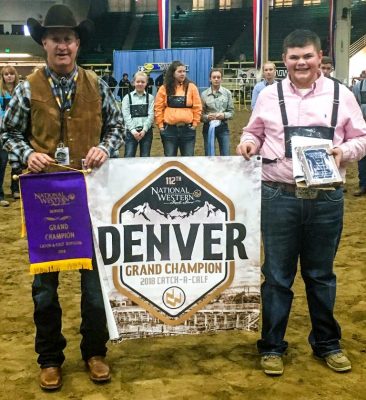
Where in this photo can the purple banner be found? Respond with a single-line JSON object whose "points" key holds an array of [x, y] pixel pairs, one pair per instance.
{"points": [[57, 221]]}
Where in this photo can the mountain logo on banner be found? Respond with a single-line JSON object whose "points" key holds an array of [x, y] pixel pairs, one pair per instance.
{"points": [[180, 239]]}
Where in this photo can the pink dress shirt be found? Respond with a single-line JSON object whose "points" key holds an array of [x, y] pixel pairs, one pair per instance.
{"points": [[265, 127]]}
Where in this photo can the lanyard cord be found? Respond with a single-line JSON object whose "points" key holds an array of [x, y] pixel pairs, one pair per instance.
{"points": [[62, 103]]}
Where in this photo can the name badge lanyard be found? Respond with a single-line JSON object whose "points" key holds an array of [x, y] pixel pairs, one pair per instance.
{"points": [[62, 103]]}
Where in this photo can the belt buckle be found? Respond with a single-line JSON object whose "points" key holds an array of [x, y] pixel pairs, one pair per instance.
{"points": [[180, 125], [306, 193]]}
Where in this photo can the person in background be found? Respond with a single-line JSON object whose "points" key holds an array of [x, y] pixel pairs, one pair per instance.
{"points": [[178, 110], [35, 130], [109, 79], [301, 224], [9, 80], [326, 66], [269, 75], [138, 115], [3, 164], [150, 84], [359, 90], [178, 11], [124, 86], [217, 108], [159, 81]]}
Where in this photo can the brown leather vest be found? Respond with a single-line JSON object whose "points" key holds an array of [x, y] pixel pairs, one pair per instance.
{"points": [[82, 123]]}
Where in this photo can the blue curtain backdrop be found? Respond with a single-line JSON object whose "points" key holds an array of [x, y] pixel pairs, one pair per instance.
{"points": [[199, 60]]}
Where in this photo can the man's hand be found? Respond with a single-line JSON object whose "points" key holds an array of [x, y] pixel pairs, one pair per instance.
{"points": [[95, 157], [37, 162], [246, 149], [337, 154]]}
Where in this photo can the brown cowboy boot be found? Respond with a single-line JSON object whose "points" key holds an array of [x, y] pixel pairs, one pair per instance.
{"points": [[50, 378], [99, 370]]}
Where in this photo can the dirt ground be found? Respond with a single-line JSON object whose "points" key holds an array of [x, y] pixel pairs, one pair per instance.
{"points": [[222, 366]]}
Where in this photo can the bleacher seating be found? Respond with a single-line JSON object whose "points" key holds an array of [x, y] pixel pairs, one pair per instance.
{"points": [[148, 35], [215, 28], [284, 20], [358, 12], [219, 29], [111, 30]]}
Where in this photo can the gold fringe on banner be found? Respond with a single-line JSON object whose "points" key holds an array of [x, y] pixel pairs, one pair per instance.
{"points": [[61, 265]]}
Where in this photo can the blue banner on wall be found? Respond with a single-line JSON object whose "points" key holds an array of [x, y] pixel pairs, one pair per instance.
{"points": [[199, 62]]}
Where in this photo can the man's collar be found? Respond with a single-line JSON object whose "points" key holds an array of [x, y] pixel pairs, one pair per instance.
{"points": [[56, 78], [319, 80]]}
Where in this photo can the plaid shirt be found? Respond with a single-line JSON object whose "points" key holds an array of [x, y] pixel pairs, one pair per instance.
{"points": [[17, 119], [65, 93]]}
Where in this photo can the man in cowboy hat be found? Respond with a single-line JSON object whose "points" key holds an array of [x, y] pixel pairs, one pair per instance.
{"points": [[65, 113]]}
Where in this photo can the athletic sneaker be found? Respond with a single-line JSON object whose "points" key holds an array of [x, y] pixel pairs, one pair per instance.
{"points": [[338, 362], [272, 364], [4, 203]]}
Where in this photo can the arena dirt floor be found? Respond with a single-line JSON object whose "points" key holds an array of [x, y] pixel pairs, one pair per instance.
{"points": [[222, 366]]}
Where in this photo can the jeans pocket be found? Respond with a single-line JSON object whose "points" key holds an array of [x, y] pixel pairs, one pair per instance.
{"points": [[269, 192], [163, 132], [333, 196]]}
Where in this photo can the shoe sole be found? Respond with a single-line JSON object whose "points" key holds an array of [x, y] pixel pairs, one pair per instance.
{"points": [[339, 369], [272, 373], [50, 388], [332, 367], [100, 380]]}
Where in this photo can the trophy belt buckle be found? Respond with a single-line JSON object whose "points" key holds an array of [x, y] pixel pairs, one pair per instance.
{"points": [[306, 193]]}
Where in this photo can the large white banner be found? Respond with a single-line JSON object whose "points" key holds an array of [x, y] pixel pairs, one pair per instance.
{"points": [[177, 243]]}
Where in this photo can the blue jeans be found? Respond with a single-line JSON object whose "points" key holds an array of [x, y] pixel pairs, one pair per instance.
{"points": [[294, 228], [131, 144], [3, 162], [362, 172], [182, 138], [50, 342], [222, 135]]}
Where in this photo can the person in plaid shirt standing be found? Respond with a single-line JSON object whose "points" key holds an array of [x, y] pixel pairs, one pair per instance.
{"points": [[66, 114]]}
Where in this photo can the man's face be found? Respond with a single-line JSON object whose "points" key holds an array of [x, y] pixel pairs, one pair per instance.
{"points": [[61, 46], [302, 64], [269, 72], [326, 69]]}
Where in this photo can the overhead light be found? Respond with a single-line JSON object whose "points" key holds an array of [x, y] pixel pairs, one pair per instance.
{"points": [[14, 55]]}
